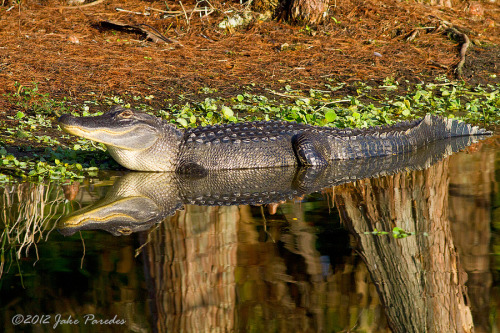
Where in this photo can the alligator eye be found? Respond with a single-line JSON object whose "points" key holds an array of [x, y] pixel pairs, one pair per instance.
{"points": [[126, 114]]}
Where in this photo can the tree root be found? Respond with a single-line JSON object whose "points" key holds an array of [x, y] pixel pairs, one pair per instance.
{"points": [[463, 48]]}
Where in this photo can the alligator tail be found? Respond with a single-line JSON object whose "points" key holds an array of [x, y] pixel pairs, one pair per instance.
{"points": [[399, 140], [433, 128]]}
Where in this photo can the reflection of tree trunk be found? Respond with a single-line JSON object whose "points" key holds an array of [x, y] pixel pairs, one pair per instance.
{"points": [[223, 269], [279, 276], [192, 261], [419, 278], [471, 187]]}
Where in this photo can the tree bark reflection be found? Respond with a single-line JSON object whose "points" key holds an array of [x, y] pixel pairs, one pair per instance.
{"points": [[419, 278], [472, 179]]}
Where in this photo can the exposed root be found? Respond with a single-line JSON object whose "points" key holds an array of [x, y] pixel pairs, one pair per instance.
{"points": [[463, 48], [463, 51]]}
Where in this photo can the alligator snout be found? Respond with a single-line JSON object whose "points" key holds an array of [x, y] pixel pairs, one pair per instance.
{"points": [[67, 119]]}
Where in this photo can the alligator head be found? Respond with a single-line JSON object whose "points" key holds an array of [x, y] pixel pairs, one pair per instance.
{"points": [[136, 140], [134, 203]]}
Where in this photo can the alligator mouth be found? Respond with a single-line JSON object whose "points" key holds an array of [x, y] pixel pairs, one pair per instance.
{"points": [[131, 136], [93, 134]]}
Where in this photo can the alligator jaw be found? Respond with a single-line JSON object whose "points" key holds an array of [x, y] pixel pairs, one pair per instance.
{"points": [[113, 130]]}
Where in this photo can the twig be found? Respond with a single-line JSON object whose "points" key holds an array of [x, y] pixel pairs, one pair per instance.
{"points": [[82, 6], [185, 15], [160, 35], [175, 13], [285, 95], [412, 35], [333, 102], [118, 9], [192, 12]]}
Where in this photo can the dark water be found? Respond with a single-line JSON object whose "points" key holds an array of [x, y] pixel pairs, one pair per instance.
{"points": [[413, 251]]}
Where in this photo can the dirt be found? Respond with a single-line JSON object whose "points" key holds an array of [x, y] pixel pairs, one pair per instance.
{"points": [[74, 52]]}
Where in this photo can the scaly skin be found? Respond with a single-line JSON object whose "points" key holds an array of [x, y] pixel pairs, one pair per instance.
{"points": [[139, 141]]}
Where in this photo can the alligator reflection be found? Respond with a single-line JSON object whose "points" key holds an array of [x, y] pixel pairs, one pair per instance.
{"points": [[139, 200]]}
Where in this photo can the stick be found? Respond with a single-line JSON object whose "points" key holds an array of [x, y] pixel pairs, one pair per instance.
{"points": [[412, 35], [178, 12], [86, 5], [118, 9], [186, 16]]}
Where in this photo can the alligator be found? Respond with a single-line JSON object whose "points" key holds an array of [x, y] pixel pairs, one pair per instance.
{"points": [[139, 200], [142, 142]]}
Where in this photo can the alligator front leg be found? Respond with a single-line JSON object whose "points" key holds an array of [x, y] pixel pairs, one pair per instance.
{"points": [[191, 168], [309, 149]]}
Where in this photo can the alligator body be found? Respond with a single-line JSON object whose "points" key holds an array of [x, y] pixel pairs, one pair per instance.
{"points": [[138, 200], [142, 142]]}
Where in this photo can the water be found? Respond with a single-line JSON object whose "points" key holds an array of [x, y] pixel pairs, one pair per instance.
{"points": [[413, 251]]}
